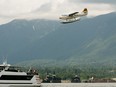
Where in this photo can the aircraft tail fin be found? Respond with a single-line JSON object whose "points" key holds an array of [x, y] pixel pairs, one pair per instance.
{"points": [[85, 10]]}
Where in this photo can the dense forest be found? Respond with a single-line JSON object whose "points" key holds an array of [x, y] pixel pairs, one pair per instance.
{"points": [[85, 72]]}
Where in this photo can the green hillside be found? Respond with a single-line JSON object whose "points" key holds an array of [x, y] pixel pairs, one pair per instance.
{"points": [[91, 41]]}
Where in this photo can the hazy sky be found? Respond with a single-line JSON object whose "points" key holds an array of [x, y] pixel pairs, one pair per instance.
{"points": [[51, 9]]}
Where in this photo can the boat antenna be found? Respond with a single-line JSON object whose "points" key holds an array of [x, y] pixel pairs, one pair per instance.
{"points": [[4, 60]]}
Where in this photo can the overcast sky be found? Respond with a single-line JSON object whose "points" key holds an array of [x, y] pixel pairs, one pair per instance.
{"points": [[51, 9]]}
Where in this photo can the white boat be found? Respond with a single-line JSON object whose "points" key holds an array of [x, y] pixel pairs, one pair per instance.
{"points": [[12, 76]]}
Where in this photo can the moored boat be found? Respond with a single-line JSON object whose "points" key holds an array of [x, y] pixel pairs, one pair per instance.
{"points": [[12, 76]]}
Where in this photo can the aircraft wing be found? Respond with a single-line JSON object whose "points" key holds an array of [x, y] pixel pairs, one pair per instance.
{"points": [[72, 14]]}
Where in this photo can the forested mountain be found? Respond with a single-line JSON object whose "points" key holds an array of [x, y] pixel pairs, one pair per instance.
{"points": [[91, 41]]}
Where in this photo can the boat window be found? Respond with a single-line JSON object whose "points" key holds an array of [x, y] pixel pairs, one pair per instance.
{"points": [[16, 77], [14, 69]]}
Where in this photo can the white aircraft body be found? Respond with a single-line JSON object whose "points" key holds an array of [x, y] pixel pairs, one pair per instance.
{"points": [[76, 16]]}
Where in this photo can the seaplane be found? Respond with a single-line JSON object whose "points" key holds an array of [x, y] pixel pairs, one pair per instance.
{"points": [[73, 17]]}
